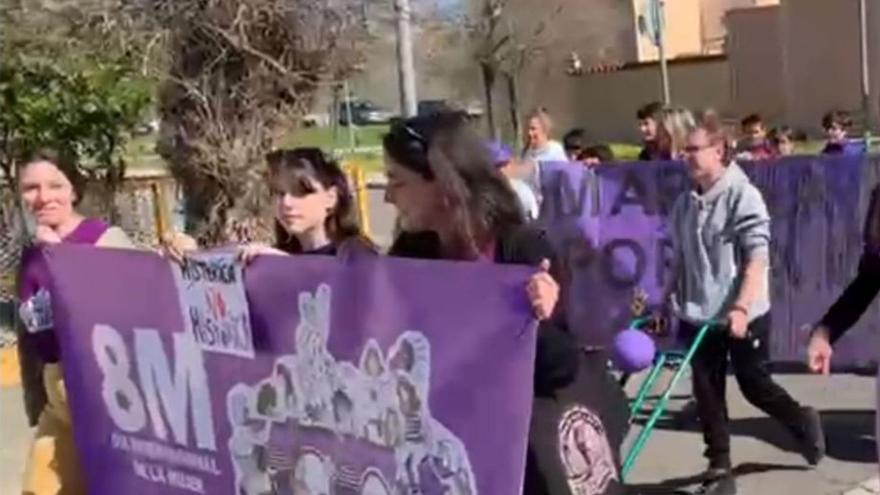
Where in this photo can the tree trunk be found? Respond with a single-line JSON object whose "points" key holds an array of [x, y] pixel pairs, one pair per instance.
{"points": [[334, 114], [488, 73], [513, 108]]}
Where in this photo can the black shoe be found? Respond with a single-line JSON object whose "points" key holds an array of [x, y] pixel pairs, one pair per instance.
{"points": [[720, 486], [812, 437]]}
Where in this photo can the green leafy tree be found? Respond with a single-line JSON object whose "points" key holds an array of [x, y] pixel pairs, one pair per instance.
{"points": [[85, 111]]}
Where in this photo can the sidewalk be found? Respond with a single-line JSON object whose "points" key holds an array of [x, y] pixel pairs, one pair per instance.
{"points": [[870, 487], [764, 457]]}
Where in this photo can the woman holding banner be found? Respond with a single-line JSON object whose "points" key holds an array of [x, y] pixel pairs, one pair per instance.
{"points": [[50, 187], [454, 205], [314, 209]]}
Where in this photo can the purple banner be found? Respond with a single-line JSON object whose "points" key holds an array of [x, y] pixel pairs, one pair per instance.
{"points": [[373, 376], [609, 227]]}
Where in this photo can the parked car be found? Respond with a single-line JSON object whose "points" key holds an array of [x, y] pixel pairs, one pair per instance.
{"points": [[430, 107], [363, 112]]}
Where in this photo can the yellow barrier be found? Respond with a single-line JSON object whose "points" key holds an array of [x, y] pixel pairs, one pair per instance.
{"points": [[10, 373], [357, 178], [160, 212]]}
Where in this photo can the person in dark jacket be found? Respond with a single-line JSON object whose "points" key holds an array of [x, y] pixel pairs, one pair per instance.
{"points": [[454, 205], [853, 302], [837, 125], [649, 119]]}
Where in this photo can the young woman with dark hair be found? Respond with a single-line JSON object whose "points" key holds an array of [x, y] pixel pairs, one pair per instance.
{"points": [[314, 209], [454, 205]]}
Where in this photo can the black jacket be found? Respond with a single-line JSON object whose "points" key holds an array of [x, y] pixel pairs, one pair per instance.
{"points": [[557, 354], [857, 297], [568, 383]]}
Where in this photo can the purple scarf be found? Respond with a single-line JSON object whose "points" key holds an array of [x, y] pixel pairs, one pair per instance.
{"points": [[34, 282]]}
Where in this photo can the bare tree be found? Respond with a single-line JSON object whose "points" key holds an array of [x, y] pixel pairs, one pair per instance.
{"points": [[239, 71], [503, 48]]}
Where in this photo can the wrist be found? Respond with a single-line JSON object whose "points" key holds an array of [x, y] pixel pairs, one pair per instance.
{"points": [[740, 308], [821, 332]]}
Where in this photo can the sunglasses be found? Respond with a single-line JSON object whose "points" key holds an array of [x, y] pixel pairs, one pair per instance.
{"points": [[415, 136]]}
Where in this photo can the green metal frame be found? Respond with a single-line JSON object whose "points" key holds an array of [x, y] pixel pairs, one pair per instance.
{"points": [[662, 359]]}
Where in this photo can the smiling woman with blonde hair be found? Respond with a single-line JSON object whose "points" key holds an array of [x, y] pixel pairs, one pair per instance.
{"points": [[674, 126], [50, 187]]}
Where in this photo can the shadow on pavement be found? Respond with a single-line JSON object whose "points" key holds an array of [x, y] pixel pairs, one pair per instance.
{"points": [[685, 485], [849, 433]]}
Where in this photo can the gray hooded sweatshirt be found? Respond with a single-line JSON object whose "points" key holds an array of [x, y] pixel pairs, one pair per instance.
{"points": [[714, 235]]}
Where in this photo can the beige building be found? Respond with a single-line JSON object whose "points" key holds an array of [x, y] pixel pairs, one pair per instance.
{"points": [[795, 61], [713, 27], [693, 27], [612, 36], [791, 61]]}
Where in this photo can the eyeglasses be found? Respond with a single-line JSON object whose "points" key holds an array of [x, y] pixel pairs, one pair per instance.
{"points": [[691, 149]]}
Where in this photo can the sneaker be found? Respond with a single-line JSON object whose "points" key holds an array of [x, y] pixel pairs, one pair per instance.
{"points": [[812, 437], [720, 486], [718, 468]]}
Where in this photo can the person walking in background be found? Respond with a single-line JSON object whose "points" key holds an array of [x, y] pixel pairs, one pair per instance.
{"points": [[574, 142], [675, 125], [539, 146], [782, 141], [720, 231], [753, 144], [837, 125], [596, 154], [502, 158], [50, 187], [711, 120], [648, 118]]}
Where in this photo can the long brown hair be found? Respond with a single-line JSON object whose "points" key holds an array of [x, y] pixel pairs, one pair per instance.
{"points": [[445, 149], [295, 171]]}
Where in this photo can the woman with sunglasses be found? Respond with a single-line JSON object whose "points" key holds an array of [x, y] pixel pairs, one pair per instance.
{"points": [[454, 205]]}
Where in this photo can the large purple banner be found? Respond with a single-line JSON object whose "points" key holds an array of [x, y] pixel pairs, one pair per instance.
{"points": [[370, 376], [609, 226]]}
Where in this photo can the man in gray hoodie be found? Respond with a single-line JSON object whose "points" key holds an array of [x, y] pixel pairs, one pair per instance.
{"points": [[720, 231]]}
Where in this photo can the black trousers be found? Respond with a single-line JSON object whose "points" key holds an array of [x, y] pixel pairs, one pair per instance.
{"points": [[749, 358]]}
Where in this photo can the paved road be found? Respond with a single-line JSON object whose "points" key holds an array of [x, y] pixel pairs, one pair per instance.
{"points": [[764, 457], [14, 438]]}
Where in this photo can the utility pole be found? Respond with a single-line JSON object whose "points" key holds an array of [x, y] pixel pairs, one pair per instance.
{"points": [[406, 73], [661, 49], [865, 68]]}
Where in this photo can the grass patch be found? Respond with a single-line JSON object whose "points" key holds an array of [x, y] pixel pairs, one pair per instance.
{"points": [[325, 137], [625, 152], [141, 151]]}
